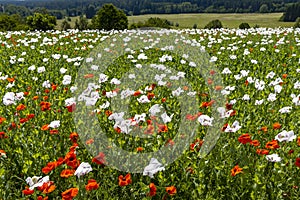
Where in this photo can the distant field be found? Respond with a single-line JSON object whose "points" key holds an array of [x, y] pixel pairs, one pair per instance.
{"points": [[228, 20]]}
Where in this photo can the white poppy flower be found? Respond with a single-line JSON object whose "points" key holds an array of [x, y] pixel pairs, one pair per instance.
{"points": [[273, 158], [153, 167], [143, 99], [54, 124], [285, 136], [205, 120], [83, 169]]}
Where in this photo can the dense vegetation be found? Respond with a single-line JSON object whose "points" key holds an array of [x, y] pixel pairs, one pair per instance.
{"points": [[136, 7]]}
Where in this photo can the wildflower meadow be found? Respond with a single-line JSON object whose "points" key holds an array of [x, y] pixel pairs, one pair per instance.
{"points": [[150, 114]]}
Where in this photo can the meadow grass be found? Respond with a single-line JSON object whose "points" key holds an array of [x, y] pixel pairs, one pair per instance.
{"points": [[228, 20], [231, 20]]}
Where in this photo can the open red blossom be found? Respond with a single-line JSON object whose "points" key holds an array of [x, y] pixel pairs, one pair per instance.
{"points": [[74, 136], [30, 116], [66, 173], [125, 180], [2, 135], [245, 138], [272, 145], [276, 125], [45, 106], [20, 107], [162, 128], [255, 143], [262, 151], [71, 108], [49, 167], [71, 160], [28, 191], [42, 198], [152, 188], [2, 119], [171, 190], [92, 185], [236, 170], [297, 163], [99, 159], [69, 194]]}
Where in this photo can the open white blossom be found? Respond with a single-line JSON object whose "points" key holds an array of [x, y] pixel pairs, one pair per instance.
{"points": [[205, 120], [273, 158], [54, 124], [285, 136], [153, 167], [83, 169]]}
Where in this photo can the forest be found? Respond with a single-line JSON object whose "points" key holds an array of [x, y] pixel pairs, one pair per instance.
{"points": [[137, 7]]}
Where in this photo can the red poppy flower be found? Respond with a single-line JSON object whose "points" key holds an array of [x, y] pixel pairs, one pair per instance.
{"points": [[124, 180], [66, 173], [162, 128], [276, 125], [255, 143], [2, 119], [49, 167], [99, 159], [272, 145], [152, 188], [28, 191], [262, 151], [92, 185], [236, 170], [74, 136], [69, 194], [20, 107], [245, 138], [171, 190], [297, 163]]}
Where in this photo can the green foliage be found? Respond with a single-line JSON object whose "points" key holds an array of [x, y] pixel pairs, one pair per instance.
{"points": [[264, 8], [82, 23], [65, 25], [109, 17], [214, 24], [19, 10], [153, 22], [194, 26], [297, 24], [40, 21], [244, 26], [12, 23], [90, 11], [292, 13]]}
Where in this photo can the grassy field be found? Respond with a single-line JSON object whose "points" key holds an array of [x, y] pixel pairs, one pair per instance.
{"points": [[228, 20]]}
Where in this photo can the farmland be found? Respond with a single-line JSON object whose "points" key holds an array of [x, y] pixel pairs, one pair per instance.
{"points": [[170, 114]]}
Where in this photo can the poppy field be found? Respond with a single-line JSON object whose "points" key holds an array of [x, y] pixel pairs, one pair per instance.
{"points": [[209, 114]]}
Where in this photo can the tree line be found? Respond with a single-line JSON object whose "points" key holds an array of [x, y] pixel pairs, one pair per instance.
{"points": [[137, 7]]}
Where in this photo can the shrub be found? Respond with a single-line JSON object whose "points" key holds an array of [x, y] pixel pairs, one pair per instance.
{"points": [[214, 24], [244, 26]]}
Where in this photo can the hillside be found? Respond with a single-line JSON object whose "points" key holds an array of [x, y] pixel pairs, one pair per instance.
{"points": [[136, 7]]}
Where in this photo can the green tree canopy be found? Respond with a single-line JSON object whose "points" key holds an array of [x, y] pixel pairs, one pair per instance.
{"points": [[109, 17], [82, 23], [40, 21], [214, 24]]}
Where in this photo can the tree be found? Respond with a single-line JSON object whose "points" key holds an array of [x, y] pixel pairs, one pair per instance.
{"points": [[292, 13], [65, 25], [12, 23], [214, 24], [82, 23], [90, 11], [297, 24], [40, 21], [109, 17], [244, 26], [264, 8]]}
